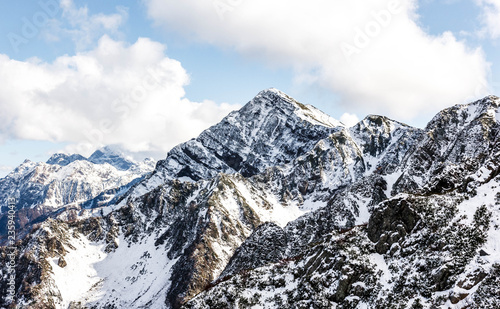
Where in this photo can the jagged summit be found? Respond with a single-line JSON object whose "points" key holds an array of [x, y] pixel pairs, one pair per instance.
{"points": [[19, 171], [277, 100], [63, 159], [463, 114], [488, 102], [111, 156], [271, 129], [377, 122], [492, 98], [456, 141], [271, 90], [273, 93]]}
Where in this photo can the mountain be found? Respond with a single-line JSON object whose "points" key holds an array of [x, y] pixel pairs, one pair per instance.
{"points": [[65, 182], [64, 159], [112, 157], [431, 243], [272, 129], [280, 206]]}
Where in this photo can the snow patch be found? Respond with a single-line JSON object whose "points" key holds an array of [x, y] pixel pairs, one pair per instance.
{"points": [[313, 115], [79, 276]]}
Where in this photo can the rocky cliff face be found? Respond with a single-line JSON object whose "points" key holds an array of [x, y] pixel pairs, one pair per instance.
{"points": [[281, 206], [458, 143]]}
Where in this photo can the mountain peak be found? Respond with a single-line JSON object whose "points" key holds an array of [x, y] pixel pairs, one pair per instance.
{"points": [[462, 115], [111, 156], [377, 122], [273, 93], [487, 102], [275, 100], [63, 159], [271, 129], [493, 98], [275, 96], [272, 90]]}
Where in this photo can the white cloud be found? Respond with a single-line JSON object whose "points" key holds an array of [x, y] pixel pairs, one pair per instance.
{"points": [[373, 54], [490, 17], [349, 119], [114, 94], [83, 28]]}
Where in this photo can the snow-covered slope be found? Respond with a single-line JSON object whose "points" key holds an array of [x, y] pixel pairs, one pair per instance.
{"points": [[416, 252], [182, 235], [67, 179]]}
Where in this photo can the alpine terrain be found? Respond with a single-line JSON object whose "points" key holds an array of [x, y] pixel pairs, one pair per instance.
{"points": [[277, 206]]}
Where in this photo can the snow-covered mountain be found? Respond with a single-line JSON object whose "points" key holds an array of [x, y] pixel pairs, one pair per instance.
{"points": [[281, 206], [68, 181], [113, 158], [432, 239], [272, 129], [64, 159]]}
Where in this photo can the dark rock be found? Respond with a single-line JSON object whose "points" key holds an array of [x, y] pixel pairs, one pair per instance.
{"points": [[440, 278], [456, 297], [395, 212], [267, 244], [61, 262], [472, 279], [483, 253]]}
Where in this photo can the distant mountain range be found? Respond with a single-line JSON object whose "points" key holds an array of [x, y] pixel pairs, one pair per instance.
{"points": [[276, 206], [67, 182]]}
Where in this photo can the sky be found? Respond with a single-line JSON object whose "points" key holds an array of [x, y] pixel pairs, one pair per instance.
{"points": [[147, 75]]}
